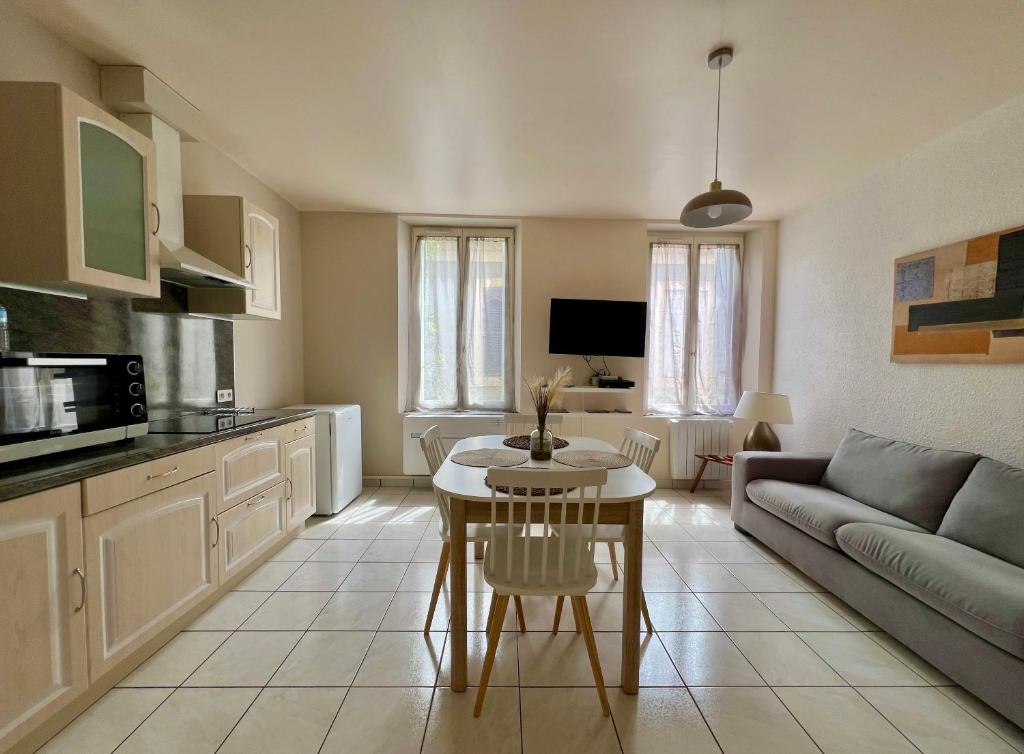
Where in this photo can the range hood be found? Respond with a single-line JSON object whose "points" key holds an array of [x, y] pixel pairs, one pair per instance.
{"points": [[183, 266]]}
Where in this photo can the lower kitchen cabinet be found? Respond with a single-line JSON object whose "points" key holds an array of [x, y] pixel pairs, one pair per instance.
{"points": [[148, 561], [249, 464], [299, 467], [43, 662], [250, 528]]}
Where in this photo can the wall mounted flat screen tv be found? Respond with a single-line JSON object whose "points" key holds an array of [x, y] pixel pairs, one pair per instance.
{"points": [[587, 327]]}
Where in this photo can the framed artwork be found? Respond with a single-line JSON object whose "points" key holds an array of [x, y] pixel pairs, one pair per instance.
{"points": [[961, 304]]}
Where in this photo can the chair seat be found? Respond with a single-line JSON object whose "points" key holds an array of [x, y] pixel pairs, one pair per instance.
{"points": [[502, 582]]}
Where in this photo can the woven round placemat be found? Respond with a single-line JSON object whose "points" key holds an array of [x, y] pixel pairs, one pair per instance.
{"points": [[489, 457], [593, 458], [523, 442]]}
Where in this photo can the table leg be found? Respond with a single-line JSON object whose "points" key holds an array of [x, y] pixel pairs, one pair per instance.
{"points": [[632, 590], [458, 596], [700, 473]]}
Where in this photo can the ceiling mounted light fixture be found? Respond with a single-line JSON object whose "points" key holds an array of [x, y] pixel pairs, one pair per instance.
{"points": [[717, 206]]}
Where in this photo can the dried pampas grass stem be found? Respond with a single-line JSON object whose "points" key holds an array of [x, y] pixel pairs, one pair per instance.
{"points": [[544, 392]]}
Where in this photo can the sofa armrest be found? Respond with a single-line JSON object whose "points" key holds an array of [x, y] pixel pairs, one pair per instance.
{"points": [[802, 468]]}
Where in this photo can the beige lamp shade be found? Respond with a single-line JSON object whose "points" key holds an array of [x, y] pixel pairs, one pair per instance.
{"points": [[764, 407]]}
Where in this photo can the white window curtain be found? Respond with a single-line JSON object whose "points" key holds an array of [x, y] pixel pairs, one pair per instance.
{"points": [[695, 328], [461, 324], [668, 304]]}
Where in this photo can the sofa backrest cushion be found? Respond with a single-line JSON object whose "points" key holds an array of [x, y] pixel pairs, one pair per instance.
{"points": [[910, 481], [988, 512]]}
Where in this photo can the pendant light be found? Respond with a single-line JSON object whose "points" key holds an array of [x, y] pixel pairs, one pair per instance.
{"points": [[717, 206]]}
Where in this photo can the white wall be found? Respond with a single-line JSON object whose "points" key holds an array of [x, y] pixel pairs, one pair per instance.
{"points": [[834, 298]]}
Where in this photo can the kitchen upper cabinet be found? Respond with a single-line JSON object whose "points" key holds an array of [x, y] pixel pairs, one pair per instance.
{"points": [[43, 661], [149, 561], [79, 186], [238, 235], [300, 469]]}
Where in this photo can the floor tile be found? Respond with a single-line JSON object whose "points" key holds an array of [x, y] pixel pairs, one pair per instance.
{"points": [[991, 719], [285, 720], [402, 658], [751, 720], [809, 584], [452, 727], [679, 612], [317, 577], [357, 531], [318, 528], [605, 610], [539, 613], [709, 658], [709, 577], [374, 511], [380, 721], [733, 552], [861, 661], [685, 553], [324, 658], [374, 577], [933, 722], [190, 721], [660, 721], [713, 532], [505, 671], [390, 551], [297, 550], [420, 578], [413, 514], [568, 721], [764, 577], [668, 532], [287, 611], [840, 721], [247, 658], [108, 722], [783, 659], [403, 531], [267, 577], [661, 577], [176, 660], [353, 611], [847, 613], [804, 612], [408, 612], [562, 660], [905, 655], [341, 549], [229, 612], [428, 551], [740, 612]]}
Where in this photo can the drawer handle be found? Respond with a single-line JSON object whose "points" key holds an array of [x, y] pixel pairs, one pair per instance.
{"points": [[151, 477], [216, 524], [81, 577], [288, 486], [260, 499], [256, 436]]}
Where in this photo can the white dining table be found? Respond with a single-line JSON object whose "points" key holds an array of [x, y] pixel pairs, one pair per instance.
{"points": [[622, 502]]}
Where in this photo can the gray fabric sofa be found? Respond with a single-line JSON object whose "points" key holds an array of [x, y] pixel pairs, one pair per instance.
{"points": [[927, 544]]}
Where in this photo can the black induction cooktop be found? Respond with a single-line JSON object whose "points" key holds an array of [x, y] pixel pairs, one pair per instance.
{"points": [[208, 422]]}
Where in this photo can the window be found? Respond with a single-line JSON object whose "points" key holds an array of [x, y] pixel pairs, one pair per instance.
{"points": [[694, 326], [461, 323]]}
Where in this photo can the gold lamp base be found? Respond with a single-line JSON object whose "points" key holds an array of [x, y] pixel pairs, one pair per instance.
{"points": [[762, 437]]}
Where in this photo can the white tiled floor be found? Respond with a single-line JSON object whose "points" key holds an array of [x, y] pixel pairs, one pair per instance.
{"points": [[322, 649]]}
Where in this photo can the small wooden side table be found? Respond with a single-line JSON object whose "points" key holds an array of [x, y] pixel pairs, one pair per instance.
{"points": [[704, 461]]}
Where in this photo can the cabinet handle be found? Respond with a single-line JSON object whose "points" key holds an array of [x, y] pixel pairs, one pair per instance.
{"points": [[256, 436], [81, 577], [260, 499], [288, 486], [216, 525], [248, 257], [151, 477], [157, 228]]}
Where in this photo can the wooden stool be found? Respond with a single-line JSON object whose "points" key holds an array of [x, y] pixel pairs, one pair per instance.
{"points": [[704, 461]]}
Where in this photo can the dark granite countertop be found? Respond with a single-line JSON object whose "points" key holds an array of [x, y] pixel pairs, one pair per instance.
{"points": [[22, 478]]}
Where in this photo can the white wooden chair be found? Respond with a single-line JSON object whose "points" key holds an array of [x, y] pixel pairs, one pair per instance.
{"points": [[546, 565], [433, 449], [641, 448], [524, 424]]}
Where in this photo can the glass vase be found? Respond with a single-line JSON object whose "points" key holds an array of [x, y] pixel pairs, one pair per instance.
{"points": [[541, 444]]}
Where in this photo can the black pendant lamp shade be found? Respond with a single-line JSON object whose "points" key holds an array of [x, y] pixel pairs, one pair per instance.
{"points": [[717, 206]]}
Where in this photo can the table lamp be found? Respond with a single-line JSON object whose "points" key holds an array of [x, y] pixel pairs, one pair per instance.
{"points": [[763, 408]]}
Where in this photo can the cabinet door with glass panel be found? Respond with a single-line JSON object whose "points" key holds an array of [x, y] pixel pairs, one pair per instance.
{"points": [[79, 187]]}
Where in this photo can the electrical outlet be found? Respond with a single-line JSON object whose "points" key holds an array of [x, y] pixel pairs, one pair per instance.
{"points": [[225, 396]]}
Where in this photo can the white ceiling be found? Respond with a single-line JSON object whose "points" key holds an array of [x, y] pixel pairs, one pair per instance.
{"points": [[585, 108]]}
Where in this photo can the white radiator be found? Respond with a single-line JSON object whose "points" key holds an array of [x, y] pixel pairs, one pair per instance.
{"points": [[453, 429], [699, 434]]}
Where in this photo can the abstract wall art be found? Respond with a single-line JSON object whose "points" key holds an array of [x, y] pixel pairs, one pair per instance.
{"points": [[961, 304]]}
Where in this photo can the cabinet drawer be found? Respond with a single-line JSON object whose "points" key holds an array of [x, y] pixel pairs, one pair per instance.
{"points": [[147, 562], [116, 487], [249, 465], [248, 529], [297, 430]]}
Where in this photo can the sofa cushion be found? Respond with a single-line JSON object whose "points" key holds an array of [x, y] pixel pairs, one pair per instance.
{"points": [[988, 512], [983, 594], [816, 510], [909, 481]]}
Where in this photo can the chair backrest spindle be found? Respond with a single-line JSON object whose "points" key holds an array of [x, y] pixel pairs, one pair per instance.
{"points": [[640, 448]]}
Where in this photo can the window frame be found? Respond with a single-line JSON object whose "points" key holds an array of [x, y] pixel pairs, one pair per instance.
{"points": [[463, 233], [694, 240]]}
